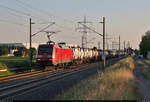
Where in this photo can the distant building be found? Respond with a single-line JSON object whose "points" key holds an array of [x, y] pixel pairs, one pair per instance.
{"points": [[12, 44], [26, 45], [11, 52]]}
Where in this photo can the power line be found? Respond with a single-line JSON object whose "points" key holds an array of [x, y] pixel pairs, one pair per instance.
{"points": [[84, 29], [2, 20], [42, 11], [20, 12], [14, 10], [43, 29], [50, 33], [93, 30], [27, 8], [14, 14], [70, 29], [73, 32], [33, 8]]}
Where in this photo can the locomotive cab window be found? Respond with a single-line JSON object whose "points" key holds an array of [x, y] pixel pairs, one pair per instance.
{"points": [[45, 49]]}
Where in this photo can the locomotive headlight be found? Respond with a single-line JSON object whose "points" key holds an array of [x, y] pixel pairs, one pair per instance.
{"points": [[38, 59], [53, 57]]}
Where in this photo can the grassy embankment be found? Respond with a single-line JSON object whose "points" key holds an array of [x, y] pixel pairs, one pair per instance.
{"points": [[147, 61], [13, 62], [144, 69], [116, 83]]}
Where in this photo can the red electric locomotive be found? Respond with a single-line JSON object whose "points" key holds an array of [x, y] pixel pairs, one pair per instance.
{"points": [[52, 54]]}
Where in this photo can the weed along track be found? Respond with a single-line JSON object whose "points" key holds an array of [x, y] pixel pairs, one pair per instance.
{"points": [[117, 79], [12, 86], [30, 74], [25, 75], [21, 87]]}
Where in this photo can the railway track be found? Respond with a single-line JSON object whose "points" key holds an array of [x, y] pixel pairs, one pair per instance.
{"points": [[47, 77], [25, 75], [31, 74], [21, 87]]}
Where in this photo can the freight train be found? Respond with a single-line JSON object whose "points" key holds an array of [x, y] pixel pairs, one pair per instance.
{"points": [[60, 55]]}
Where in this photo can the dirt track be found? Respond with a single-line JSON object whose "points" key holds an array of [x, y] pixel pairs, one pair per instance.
{"points": [[143, 84]]}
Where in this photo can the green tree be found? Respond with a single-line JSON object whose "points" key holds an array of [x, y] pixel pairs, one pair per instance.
{"points": [[33, 51], [22, 51], [94, 48], [136, 51], [1, 51], [145, 44], [4, 50]]}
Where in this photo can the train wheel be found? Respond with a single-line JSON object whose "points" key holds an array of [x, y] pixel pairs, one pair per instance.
{"points": [[56, 67], [65, 66], [46, 68], [43, 68]]}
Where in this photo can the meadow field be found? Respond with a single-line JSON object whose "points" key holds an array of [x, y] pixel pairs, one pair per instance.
{"points": [[116, 83]]}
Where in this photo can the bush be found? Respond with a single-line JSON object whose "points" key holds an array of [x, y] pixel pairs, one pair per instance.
{"points": [[22, 51], [2, 66], [4, 50]]}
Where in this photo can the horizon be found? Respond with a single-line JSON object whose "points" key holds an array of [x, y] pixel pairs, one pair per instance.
{"points": [[129, 19]]}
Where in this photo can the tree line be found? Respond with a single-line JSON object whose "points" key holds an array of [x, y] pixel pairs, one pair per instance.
{"points": [[21, 51], [145, 44]]}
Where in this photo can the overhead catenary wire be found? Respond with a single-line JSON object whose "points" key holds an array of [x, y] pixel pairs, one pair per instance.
{"points": [[68, 29], [33, 8], [27, 8], [43, 29], [14, 10], [42, 11], [10, 22], [20, 12], [14, 14], [91, 29]]}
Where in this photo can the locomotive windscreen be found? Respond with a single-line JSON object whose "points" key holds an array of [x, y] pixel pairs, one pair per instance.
{"points": [[45, 48]]}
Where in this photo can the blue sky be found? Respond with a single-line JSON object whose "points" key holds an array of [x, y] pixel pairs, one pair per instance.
{"points": [[128, 18]]}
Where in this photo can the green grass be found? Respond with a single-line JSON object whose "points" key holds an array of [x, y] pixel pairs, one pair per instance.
{"points": [[145, 69], [14, 62], [6, 73], [13, 58], [146, 72], [140, 63], [147, 61], [116, 83]]}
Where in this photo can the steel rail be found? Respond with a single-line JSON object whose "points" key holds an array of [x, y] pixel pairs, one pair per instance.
{"points": [[26, 76], [33, 83], [30, 74], [10, 90]]}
